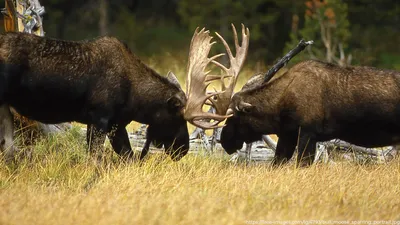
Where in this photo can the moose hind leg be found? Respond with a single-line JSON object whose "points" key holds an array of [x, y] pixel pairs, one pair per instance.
{"points": [[7, 132]]}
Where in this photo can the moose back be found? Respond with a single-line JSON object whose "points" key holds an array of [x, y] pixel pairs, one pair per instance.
{"points": [[99, 82]]}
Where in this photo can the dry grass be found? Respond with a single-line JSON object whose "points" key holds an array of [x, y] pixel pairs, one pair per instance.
{"points": [[59, 184]]}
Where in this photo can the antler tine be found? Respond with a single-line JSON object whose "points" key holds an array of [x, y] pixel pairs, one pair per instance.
{"points": [[207, 125], [215, 56], [221, 66], [235, 36], [228, 50], [245, 32]]}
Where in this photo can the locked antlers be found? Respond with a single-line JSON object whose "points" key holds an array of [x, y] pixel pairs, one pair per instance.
{"points": [[198, 79]]}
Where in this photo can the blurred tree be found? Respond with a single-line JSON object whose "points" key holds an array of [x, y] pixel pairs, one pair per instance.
{"points": [[327, 24], [58, 16], [375, 32], [149, 27], [103, 17], [156, 27], [268, 21]]}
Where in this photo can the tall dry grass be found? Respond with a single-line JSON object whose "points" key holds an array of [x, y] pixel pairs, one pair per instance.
{"points": [[59, 184]]}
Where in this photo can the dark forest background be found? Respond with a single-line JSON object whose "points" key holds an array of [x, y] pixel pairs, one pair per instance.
{"points": [[365, 32]]}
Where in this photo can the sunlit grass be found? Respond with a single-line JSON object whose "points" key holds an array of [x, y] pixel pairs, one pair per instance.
{"points": [[60, 184]]}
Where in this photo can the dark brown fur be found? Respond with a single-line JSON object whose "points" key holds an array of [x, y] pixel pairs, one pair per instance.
{"points": [[99, 82], [319, 101]]}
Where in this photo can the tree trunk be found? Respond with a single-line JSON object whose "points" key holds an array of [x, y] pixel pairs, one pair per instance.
{"points": [[103, 20], [224, 27]]}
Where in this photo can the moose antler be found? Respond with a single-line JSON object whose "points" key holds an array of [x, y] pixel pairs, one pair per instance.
{"points": [[222, 100], [198, 80]]}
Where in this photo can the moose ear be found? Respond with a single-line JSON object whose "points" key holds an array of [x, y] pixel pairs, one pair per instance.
{"points": [[172, 78], [245, 107], [175, 102]]}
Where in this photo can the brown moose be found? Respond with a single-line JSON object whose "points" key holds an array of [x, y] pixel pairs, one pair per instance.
{"points": [[316, 101], [100, 83]]}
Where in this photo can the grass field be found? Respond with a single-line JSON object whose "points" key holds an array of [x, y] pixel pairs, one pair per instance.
{"points": [[59, 184]]}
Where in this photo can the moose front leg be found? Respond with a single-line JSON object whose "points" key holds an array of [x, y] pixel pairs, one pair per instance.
{"points": [[151, 132], [284, 149], [120, 141], [97, 128], [145, 149], [306, 149]]}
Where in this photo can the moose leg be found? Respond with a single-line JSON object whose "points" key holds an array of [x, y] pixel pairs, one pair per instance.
{"points": [[97, 129], [284, 149], [120, 142], [306, 150], [7, 132], [145, 149], [150, 136]]}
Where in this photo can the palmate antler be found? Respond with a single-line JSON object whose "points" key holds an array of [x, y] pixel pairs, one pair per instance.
{"points": [[198, 80]]}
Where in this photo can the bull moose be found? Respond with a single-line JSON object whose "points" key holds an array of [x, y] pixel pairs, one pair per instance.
{"points": [[99, 82], [316, 101], [313, 101]]}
